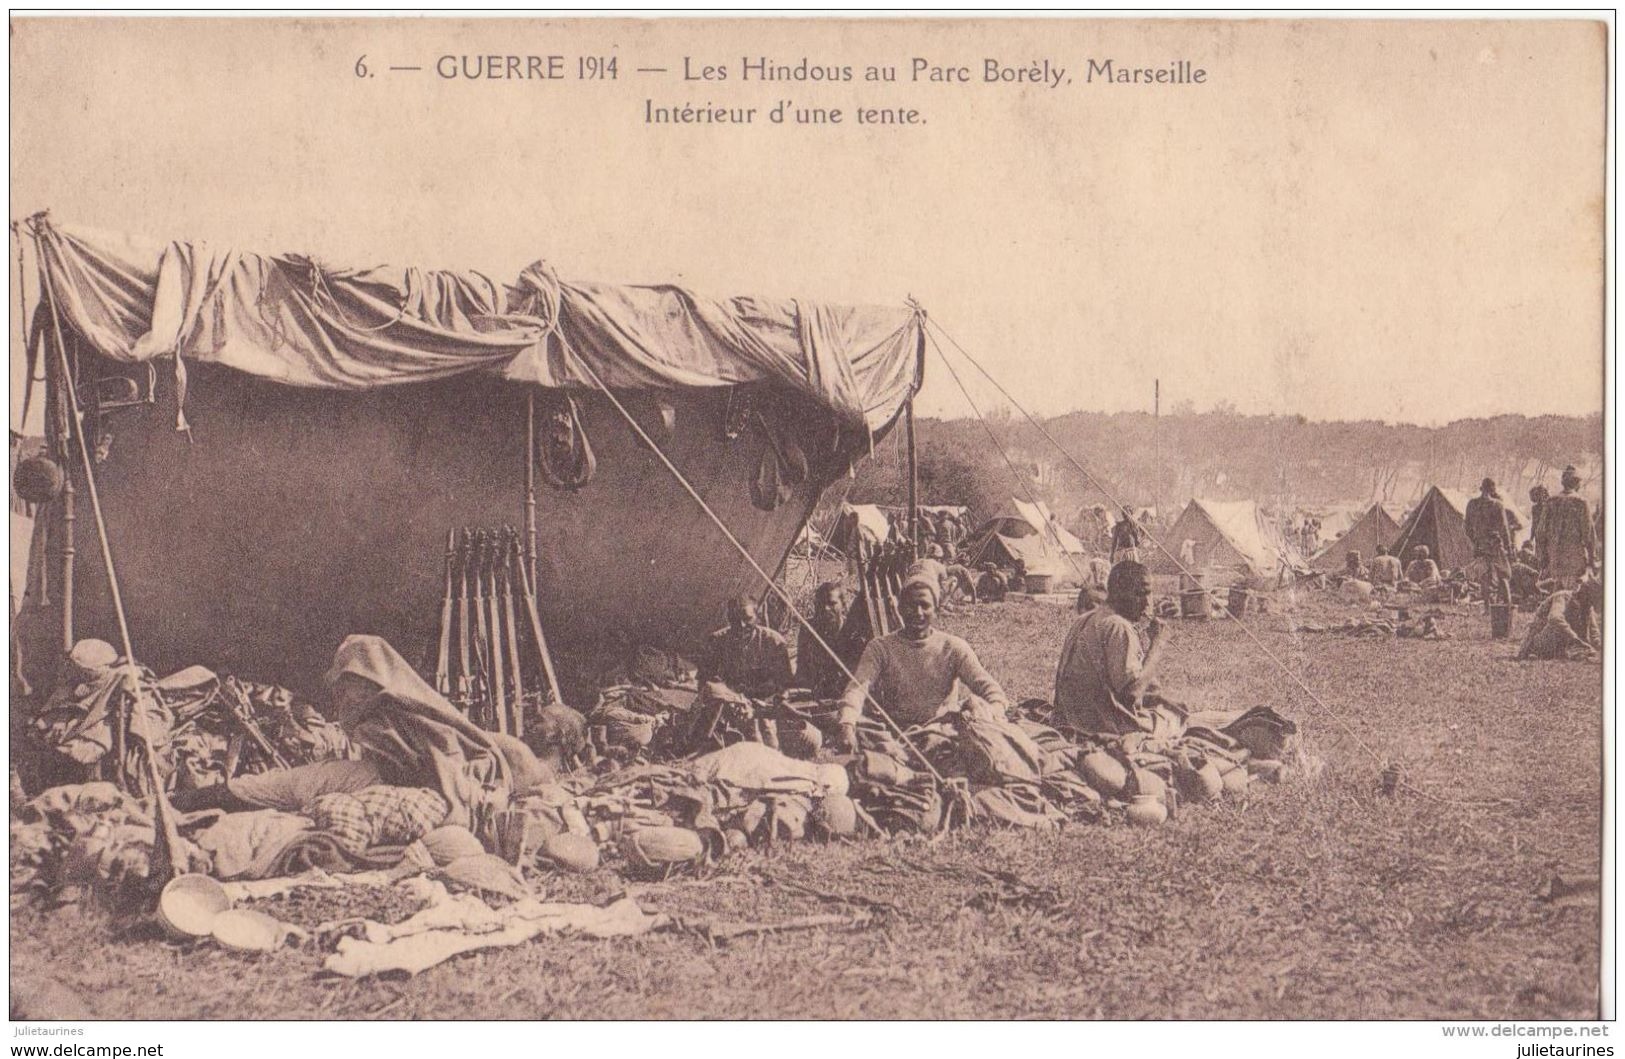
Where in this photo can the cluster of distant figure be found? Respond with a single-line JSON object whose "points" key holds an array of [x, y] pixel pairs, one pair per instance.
{"points": [[1303, 533], [1550, 567], [1117, 538], [1554, 571]]}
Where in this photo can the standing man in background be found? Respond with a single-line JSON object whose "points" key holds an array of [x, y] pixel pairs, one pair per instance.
{"points": [[1490, 530], [1126, 539], [1566, 542]]}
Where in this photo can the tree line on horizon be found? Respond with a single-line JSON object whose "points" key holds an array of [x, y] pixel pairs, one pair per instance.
{"points": [[1287, 462]]}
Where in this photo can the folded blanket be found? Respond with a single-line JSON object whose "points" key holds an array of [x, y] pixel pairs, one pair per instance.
{"points": [[244, 845]]}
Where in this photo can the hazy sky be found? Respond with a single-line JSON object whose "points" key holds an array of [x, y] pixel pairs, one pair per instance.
{"points": [[1396, 220]]}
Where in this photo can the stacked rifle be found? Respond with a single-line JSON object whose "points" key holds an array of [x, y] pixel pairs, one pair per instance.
{"points": [[880, 570], [485, 568]]}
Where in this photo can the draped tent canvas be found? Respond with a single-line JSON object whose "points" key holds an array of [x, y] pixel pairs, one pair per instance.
{"points": [[291, 318], [339, 421]]}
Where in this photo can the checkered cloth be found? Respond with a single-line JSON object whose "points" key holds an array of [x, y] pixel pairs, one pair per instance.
{"points": [[379, 816], [402, 814], [345, 818]]}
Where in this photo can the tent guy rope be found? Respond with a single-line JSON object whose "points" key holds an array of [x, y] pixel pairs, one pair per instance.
{"points": [[1019, 477], [790, 605]]}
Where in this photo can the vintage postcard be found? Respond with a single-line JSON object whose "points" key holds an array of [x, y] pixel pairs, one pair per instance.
{"points": [[800, 517]]}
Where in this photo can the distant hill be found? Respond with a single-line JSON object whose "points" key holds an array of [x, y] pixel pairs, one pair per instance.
{"points": [[1280, 460]]}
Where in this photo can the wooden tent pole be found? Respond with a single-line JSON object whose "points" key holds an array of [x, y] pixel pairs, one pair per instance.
{"points": [[76, 427], [166, 847], [530, 484], [913, 481], [57, 425], [1156, 434], [913, 455]]}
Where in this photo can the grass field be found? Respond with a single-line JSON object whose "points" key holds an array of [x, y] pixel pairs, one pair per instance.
{"points": [[1317, 899]]}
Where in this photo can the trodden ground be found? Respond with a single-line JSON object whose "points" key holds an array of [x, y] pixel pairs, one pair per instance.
{"points": [[1318, 899]]}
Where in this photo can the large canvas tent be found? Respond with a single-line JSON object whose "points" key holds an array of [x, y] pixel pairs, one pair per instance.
{"points": [[1030, 533], [1440, 525], [1374, 527], [304, 437], [1232, 541]]}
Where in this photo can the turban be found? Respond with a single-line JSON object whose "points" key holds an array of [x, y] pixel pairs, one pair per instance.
{"points": [[921, 579]]}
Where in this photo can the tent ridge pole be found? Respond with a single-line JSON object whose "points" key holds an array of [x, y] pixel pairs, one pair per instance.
{"points": [[913, 481]]}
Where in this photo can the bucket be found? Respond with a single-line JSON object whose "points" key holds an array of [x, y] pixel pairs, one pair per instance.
{"points": [[1239, 598], [1194, 605], [1500, 621], [1038, 583]]}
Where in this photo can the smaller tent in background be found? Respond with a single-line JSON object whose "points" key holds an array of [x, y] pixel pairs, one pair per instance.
{"points": [[1337, 519], [1375, 527], [1232, 541], [1021, 519], [859, 522], [1028, 532], [1441, 526]]}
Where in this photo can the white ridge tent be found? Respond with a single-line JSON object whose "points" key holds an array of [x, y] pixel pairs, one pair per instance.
{"points": [[1029, 532], [1233, 541]]}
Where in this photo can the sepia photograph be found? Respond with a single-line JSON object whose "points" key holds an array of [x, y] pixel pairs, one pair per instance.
{"points": [[810, 517]]}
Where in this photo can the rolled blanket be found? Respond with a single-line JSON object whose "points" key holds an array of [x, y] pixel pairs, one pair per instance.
{"points": [[379, 816], [319, 849]]}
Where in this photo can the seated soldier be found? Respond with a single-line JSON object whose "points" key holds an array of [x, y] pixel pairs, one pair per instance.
{"points": [[1106, 681], [959, 585], [991, 586], [916, 673], [1423, 571], [1385, 569], [1354, 567], [816, 670], [1565, 624], [748, 658]]}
